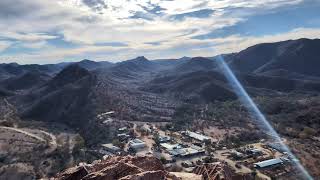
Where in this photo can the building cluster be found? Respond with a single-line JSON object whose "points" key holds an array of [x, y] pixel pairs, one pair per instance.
{"points": [[177, 150], [190, 149], [245, 153]]}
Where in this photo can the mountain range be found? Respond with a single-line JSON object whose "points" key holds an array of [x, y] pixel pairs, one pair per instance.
{"points": [[138, 89]]}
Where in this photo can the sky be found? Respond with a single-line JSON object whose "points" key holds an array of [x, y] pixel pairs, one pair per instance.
{"points": [[51, 31]]}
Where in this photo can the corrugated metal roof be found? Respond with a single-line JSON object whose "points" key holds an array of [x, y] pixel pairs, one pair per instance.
{"points": [[269, 162], [197, 136], [111, 146], [169, 146]]}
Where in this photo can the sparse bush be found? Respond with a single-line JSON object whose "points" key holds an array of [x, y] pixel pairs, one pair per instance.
{"points": [[117, 143], [163, 160], [309, 131], [79, 142]]}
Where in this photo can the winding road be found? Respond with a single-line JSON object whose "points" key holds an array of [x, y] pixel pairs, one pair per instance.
{"points": [[53, 143]]}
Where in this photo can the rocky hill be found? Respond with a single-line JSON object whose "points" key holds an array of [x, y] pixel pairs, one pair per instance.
{"points": [[124, 168], [65, 98], [145, 168], [92, 65], [25, 81], [73, 94], [295, 56]]}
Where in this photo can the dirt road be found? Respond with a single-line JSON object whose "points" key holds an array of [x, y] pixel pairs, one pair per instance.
{"points": [[52, 142], [25, 133]]}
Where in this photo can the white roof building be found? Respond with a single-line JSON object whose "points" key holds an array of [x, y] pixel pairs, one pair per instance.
{"points": [[197, 136], [267, 163], [185, 152], [137, 144], [164, 139], [255, 151], [170, 147]]}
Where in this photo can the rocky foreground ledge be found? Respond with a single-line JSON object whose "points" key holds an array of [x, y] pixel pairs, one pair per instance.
{"points": [[120, 167]]}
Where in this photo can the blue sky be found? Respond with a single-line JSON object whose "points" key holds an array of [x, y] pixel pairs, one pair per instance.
{"points": [[45, 31]]}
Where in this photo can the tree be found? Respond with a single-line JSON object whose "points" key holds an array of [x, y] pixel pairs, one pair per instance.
{"points": [[79, 142], [156, 138], [117, 143], [163, 160], [307, 132]]}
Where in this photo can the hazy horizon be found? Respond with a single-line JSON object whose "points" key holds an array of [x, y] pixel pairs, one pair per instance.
{"points": [[121, 60]]}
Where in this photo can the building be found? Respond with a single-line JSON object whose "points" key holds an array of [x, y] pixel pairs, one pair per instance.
{"points": [[123, 129], [137, 144], [277, 146], [187, 164], [268, 163], [109, 120], [185, 152], [164, 139], [237, 155], [146, 128], [123, 136], [256, 152], [197, 136], [111, 148], [170, 147], [103, 115]]}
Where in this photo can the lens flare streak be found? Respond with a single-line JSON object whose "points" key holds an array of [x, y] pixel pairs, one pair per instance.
{"points": [[256, 113]]}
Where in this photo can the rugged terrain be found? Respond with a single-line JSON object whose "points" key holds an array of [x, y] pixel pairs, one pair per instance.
{"points": [[119, 168], [143, 168], [282, 77]]}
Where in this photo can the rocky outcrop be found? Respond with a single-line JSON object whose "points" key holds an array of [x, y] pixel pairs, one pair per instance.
{"points": [[120, 167], [219, 171], [149, 175], [115, 171], [74, 173]]}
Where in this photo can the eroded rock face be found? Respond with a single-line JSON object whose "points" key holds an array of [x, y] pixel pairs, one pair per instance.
{"points": [[120, 167], [149, 175], [115, 171], [74, 173]]}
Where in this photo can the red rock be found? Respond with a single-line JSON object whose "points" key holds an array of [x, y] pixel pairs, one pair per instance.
{"points": [[123, 168], [74, 173], [116, 171]]}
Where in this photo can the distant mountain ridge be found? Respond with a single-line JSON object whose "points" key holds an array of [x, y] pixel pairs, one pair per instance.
{"points": [[73, 93], [25, 81], [283, 78], [295, 56]]}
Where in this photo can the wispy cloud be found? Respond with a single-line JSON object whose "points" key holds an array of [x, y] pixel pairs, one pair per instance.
{"points": [[69, 29], [4, 45]]}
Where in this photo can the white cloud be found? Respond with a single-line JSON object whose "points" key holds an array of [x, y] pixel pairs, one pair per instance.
{"points": [[91, 22], [29, 37], [34, 45], [54, 55], [4, 45]]}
